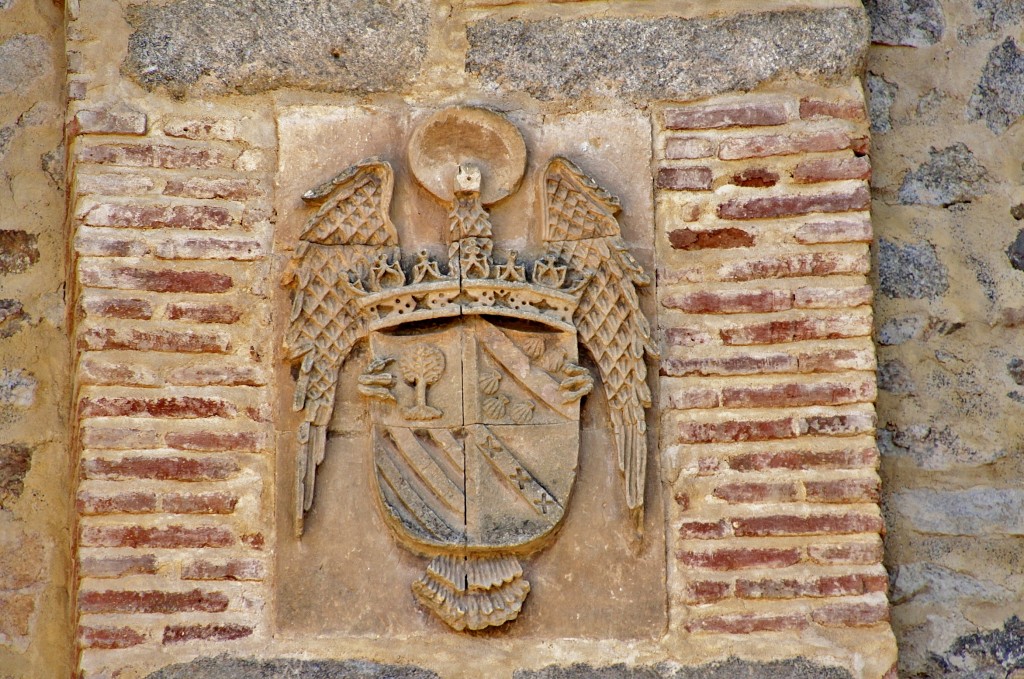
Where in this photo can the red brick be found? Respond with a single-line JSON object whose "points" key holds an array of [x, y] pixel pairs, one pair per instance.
{"points": [[838, 425], [238, 249], [174, 634], [782, 145], [832, 298], [708, 466], [732, 559], [262, 413], [746, 623], [194, 217], [725, 115], [171, 537], [795, 265], [706, 591], [755, 177], [220, 375], [231, 569], [253, 540], [113, 184], [156, 155], [730, 365], [757, 492], [161, 468], [109, 637], [115, 120], [120, 438], [704, 530], [213, 441], [172, 406], [837, 360], [851, 615], [687, 337], [117, 566], [847, 109], [832, 169], [689, 148], [798, 330], [865, 553], [743, 430], [861, 145], [815, 524], [805, 459], [841, 231], [731, 301], [683, 500], [798, 394], [116, 503], [770, 207], [92, 371], [212, 187], [199, 503], [690, 239], [203, 313], [685, 178], [151, 601], [102, 245], [681, 398], [185, 341], [138, 309], [167, 280], [833, 585], [843, 491]]}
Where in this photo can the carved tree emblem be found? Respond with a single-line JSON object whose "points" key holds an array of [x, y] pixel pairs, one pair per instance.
{"points": [[421, 368]]}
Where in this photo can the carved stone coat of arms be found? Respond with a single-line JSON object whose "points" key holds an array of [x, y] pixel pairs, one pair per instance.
{"points": [[473, 376]]}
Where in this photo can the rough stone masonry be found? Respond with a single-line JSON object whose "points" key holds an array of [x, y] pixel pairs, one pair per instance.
{"points": [[153, 159]]}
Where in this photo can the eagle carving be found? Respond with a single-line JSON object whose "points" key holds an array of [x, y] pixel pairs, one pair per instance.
{"points": [[473, 380]]}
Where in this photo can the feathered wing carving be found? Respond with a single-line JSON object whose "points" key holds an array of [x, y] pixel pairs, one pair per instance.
{"points": [[581, 228], [348, 232]]}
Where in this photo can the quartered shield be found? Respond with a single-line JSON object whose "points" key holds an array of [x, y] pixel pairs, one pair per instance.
{"points": [[477, 450]]}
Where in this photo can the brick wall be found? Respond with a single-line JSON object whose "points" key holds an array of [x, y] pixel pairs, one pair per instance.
{"points": [[174, 355], [767, 373]]}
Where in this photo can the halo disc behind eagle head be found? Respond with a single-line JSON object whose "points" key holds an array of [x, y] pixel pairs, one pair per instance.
{"points": [[468, 136]]}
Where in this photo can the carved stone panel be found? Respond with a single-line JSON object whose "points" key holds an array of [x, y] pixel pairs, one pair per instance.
{"points": [[472, 371]]}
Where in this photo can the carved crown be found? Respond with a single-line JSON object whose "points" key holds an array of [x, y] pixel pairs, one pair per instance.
{"points": [[546, 292]]}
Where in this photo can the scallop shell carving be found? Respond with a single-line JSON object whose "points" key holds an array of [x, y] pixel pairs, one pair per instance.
{"points": [[553, 361], [490, 381], [534, 346], [522, 412], [496, 407]]}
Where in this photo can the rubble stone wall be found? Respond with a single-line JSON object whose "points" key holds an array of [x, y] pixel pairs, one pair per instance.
{"points": [[35, 486], [946, 84]]}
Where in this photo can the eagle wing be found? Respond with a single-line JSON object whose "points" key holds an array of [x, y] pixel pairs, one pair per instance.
{"points": [[580, 227], [349, 230]]}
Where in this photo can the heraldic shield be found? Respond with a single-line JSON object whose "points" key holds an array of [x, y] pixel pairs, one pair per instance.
{"points": [[474, 381], [463, 456]]}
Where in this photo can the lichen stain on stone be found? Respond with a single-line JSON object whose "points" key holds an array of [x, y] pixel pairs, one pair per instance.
{"points": [[202, 46], [666, 57]]}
